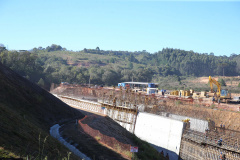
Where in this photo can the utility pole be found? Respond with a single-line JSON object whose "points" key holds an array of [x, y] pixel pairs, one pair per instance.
{"points": [[89, 79]]}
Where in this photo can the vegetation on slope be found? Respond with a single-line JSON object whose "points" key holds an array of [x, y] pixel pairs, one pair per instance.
{"points": [[26, 114], [55, 64]]}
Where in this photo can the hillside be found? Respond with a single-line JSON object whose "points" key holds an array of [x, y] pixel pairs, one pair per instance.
{"points": [[26, 114], [54, 64]]}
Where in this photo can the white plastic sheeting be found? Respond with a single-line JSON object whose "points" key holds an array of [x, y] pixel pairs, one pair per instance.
{"points": [[54, 131], [160, 131]]}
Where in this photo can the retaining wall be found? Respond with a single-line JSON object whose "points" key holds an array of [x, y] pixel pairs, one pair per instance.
{"points": [[195, 124], [122, 118], [160, 131], [83, 104]]}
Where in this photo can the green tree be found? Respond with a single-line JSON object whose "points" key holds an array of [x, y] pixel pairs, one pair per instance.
{"points": [[130, 65], [41, 82], [112, 60], [110, 77], [54, 47], [2, 48], [222, 82], [27, 77], [81, 79]]}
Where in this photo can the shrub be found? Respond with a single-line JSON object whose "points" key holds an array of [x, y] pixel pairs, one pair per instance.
{"points": [[178, 102], [98, 138], [222, 82], [212, 106]]}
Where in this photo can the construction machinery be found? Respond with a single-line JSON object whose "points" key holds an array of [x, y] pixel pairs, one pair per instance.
{"points": [[235, 100], [211, 81], [223, 95]]}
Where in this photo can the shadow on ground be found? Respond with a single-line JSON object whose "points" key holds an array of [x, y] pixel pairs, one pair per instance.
{"points": [[172, 155]]}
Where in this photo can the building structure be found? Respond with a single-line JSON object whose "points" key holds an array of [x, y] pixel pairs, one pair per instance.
{"points": [[150, 88]]}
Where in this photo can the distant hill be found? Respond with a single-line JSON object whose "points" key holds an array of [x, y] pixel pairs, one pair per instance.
{"points": [[26, 114], [56, 64]]}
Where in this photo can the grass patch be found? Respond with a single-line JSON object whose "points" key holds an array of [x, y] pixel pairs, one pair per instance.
{"points": [[197, 105], [212, 106], [145, 150], [4, 153], [127, 153], [98, 138], [178, 102], [120, 150], [21, 138]]}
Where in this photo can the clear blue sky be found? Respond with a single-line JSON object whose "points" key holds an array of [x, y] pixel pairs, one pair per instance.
{"points": [[132, 25]]}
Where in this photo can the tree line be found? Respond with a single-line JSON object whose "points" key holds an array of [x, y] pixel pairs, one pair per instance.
{"points": [[142, 66]]}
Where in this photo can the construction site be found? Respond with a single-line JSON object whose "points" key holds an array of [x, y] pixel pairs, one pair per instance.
{"points": [[183, 124]]}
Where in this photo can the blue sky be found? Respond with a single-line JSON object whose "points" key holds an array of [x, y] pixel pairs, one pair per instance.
{"points": [[133, 25]]}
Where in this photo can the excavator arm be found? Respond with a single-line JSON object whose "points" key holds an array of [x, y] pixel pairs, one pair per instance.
{"points": [[211, 81]]}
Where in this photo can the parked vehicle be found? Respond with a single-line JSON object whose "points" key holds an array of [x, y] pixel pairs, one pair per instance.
{"points": [[235, 100]]}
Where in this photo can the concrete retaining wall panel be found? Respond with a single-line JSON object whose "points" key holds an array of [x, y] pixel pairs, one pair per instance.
{"points": [[160, 131], [195, 124]]}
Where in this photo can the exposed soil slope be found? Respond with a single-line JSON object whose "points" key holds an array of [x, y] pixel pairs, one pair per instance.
{"points": [[26, 114], [109, 127], [95, 150], [219, 116], [88, 145]]}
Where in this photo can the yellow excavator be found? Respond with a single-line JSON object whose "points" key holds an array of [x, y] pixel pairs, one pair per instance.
{"points": [[220, 94], [211, 81]]}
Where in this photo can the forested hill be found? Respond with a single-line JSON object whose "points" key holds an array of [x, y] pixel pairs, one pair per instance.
{"points": [[55, 64], [190, 63]]}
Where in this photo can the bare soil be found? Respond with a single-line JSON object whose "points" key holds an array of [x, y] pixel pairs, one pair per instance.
{"points": [[109, 127], [87, 144], [90, 146], [204, 80], [98, 151], [212, 112]]}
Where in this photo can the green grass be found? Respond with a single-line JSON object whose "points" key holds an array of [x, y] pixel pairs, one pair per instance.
{"points": [[178, 102], [145, 150], [197, 105], [98, 138], [22, 138], [26, 114], [4, 153], [212, 106]]}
